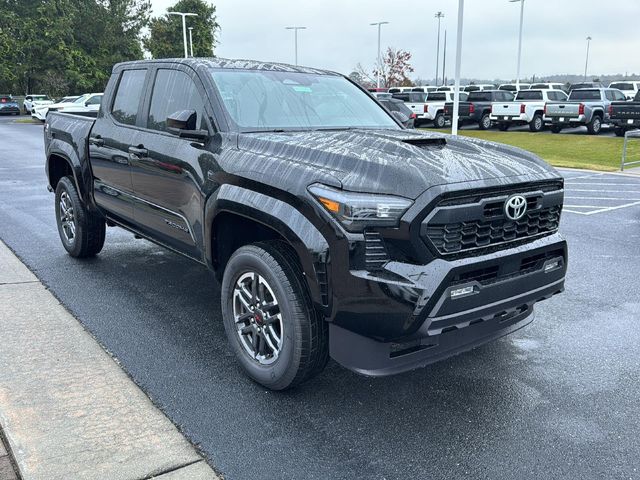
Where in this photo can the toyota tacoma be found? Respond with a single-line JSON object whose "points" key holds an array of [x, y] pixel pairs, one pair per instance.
{"points": [[333, 231]]}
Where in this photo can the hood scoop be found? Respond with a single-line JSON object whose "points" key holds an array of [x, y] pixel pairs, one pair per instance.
{"points": [[426, 142]]}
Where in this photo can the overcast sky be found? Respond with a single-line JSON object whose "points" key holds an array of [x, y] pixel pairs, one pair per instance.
{"points": [[339, 36]]}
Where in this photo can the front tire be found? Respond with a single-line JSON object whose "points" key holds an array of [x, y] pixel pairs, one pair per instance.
{"points": [[81, 231], [485, 122], [276, 334], [594, 126]]}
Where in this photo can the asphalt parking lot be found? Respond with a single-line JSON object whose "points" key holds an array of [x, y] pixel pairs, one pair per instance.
{"points": [[558, 399]]}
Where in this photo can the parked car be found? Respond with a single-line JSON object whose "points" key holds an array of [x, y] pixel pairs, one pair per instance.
{"points": [[514, 87], [477, 108], [416, 103], [402, 113], [32, 101], [547, 86], [587, 107], [478, 88], [626, 115], [629, 88], [87, 104], [400, 89], [333, 230], [583, 85], [526, 109], [434, 107], [8, 106]]}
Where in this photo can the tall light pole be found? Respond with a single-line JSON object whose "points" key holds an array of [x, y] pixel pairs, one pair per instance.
{"points": [[519, 39], [379, 24], [439, 16], [456, 89], [184, 28], [295, 39], [191, 40], [586, 63], [444, 59]]}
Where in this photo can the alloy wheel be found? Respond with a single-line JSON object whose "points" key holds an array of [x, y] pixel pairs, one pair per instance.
{"points": [[257, 317], [67, 217]]}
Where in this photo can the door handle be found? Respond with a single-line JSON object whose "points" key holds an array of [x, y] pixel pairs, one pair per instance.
{"points": [[139, 151], [97, 141]]}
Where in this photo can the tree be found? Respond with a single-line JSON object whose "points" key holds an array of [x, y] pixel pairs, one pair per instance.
{"points": [[165, 33], [395, 68]]}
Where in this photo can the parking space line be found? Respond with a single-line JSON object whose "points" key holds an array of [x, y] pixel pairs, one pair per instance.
{"points": [[605, 198], [607, 209], [603, 191]]}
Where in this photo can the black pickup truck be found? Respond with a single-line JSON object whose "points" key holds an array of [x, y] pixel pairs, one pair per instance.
{"points": [[477, 108], [625, 115], [332, 229]]}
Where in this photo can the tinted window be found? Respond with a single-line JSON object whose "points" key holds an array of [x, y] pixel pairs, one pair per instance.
{"points": [[529, 95], [437, 96], [540, 86], [618, 96], [417, 97], [397, 106], [173, 91], [128, 96], [584, 95], [417, 89], [471, 88], [401, 96], [479, 97], [394, 90], [508, 88], [95, 100], [622, 86]]}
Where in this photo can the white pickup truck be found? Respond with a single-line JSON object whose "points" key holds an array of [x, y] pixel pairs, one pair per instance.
{"points": [[434, 107], [416, 101], [526, 108]]}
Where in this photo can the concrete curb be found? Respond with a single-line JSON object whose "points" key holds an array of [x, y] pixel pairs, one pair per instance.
{"points": [[66, 408]]}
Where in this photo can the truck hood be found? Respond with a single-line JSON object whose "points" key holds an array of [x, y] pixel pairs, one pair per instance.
{"points": [[398, 162]]}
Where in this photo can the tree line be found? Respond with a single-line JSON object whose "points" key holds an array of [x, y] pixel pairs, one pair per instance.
{"points": [[61, 47]]}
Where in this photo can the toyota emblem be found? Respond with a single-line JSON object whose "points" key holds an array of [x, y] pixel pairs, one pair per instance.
{"points": [[515, 207]]}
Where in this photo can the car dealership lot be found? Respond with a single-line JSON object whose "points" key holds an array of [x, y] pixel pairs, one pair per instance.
{"points": [[557, 399]]}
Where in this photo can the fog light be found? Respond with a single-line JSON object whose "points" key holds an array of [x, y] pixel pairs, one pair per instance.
{"points": [[551, 266], [458, 292]]}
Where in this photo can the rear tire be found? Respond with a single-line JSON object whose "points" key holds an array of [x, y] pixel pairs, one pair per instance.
{"points": [[619, 132], [595, 125], [281, 347], [536, 124], [81, 231], [485, 122], [556, 129]]}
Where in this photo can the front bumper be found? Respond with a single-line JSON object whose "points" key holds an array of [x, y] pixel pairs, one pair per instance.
{"points": [[409, 316]]}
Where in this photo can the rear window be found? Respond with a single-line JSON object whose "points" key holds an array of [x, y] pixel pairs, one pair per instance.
{"points": [[540, 86], [436, 96], [418, 97], [128, 96], [471, 88], [581, 85], [622, 86], [479, 97], [401, 96], [508, 88], [529, 95], [584, 95]]}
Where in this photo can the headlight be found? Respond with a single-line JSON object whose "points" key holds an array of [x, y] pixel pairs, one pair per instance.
{"points": [[359, 210]]}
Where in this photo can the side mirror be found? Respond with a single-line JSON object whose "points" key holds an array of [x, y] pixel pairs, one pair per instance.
{"points": [[401, 117], [183, 124]]}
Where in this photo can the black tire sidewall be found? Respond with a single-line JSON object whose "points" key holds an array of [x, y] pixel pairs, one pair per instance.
{"points": [[483, 120], [280, 373], [439, 121], [65, 185]]}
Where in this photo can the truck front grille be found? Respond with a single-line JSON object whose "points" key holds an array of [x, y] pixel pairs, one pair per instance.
{"points": [[472, 223]]}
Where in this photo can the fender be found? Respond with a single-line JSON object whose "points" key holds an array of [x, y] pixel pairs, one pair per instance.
{"points": [[74, 151], [311, 247]]}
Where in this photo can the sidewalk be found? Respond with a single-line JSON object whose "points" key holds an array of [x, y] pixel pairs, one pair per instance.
{"points": [[67, 410]]}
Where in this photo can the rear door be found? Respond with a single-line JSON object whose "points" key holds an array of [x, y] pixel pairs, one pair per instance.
{"points": [[169, 172], [115, 132]]}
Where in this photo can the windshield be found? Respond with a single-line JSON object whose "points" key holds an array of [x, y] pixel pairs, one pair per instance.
{"points": [[529, 95], [584, 95], [267, 100], [37, 98]]}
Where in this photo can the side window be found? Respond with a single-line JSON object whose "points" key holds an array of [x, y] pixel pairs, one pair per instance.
{"points": [[561, 95], [173, 91], [619, 96], [128, 96], [609, 95], [552, 96], [95, 100]]}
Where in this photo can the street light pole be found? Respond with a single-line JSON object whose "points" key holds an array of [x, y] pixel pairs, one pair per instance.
{"points": [[439, 16], [295, 39], [456, 89], [586, 63], [379, 24], [191, 40], [519, 39], [444, 59], [184, 28]]}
